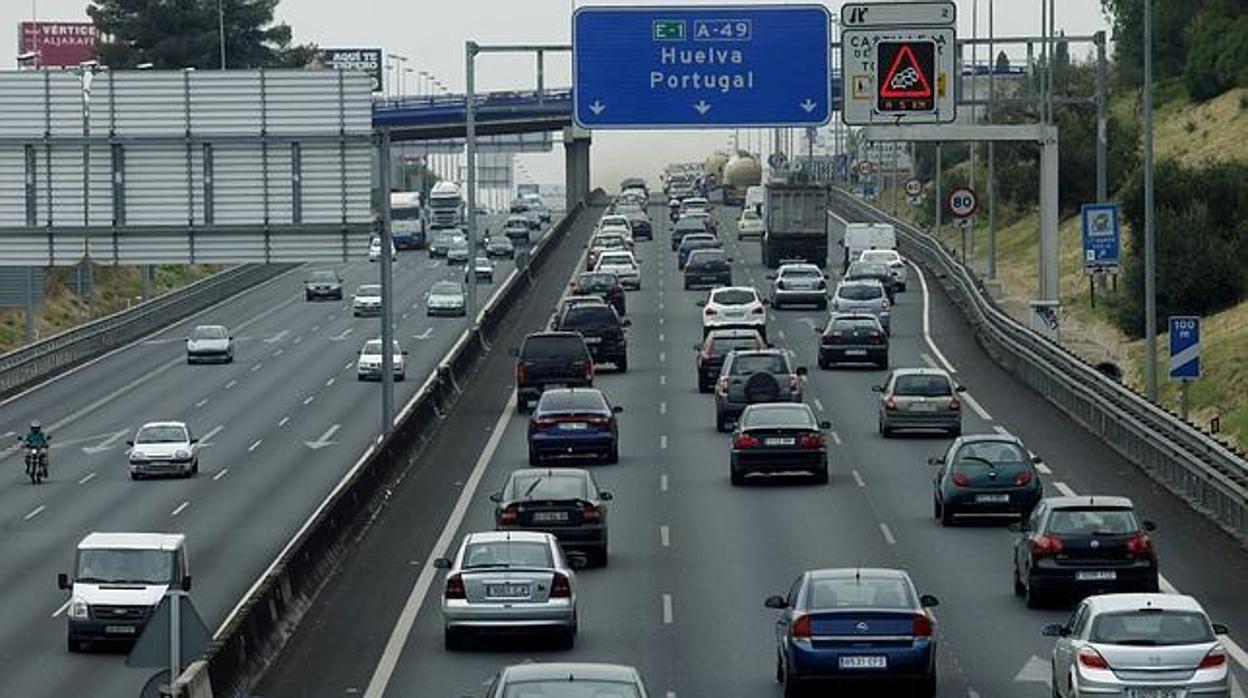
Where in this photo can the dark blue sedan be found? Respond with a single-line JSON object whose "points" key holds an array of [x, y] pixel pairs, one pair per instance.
{"points": [[855, 625], [572, 423]]}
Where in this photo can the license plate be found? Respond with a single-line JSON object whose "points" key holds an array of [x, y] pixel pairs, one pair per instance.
{"points": [[855, 352], [573, 426], [863, 662], [510, 591], [780, 441], [1153, 693], [735, 315], [1096, 575], [550, 516], [923, 406], [593, 340], [120, 629], [992, 498]]}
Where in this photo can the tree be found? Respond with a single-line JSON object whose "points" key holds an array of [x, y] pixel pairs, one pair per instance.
{"points": [[172, 34], [1003, 62]]}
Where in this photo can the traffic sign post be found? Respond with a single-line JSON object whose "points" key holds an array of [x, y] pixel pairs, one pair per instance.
{"points": [[914, 199], [900, 61], [1184, 354], [701, 67]]}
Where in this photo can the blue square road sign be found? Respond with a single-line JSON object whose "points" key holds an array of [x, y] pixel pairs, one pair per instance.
{"points": [[1184, 347], [1102, 241]]}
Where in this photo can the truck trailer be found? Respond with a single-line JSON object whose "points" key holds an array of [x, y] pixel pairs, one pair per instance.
{"points": [[796, 224]]}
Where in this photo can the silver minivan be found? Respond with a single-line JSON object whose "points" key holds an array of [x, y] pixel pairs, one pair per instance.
{"points": [[863, 297]]}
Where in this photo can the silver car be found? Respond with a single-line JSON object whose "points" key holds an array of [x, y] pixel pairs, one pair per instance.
{"points": [[446, 298], [893, 260], [919, 398], [163, 448], [366, 300], [799, 284], [516, 581], [209, 343], [863, 297], [1146, 645], [567, 680], [457, 253]]}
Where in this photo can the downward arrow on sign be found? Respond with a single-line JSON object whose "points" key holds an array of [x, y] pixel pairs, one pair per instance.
{"points": [[597, 107], [809, 105], [702, 107], [324, 439]]}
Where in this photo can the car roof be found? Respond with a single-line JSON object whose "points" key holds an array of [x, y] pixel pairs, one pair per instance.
{"points": [[552, 334], [1095, 500], [1108, 603], [767, 351], [804, 267], [981, 438], [751, 289], [215, 327], [861, 282], [857, 572], [571, 671], [550, 472], [167, 423], [504, 536], [134, 541]]}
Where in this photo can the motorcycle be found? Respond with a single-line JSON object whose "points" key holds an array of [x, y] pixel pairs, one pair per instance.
{"points": [[36, 463], [674, 215]]}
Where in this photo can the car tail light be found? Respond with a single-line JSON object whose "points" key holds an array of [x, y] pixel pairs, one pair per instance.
{"points": [[814, 440], [598, 421], [1024, 478], [544, 422], [710, 311], [954, 404], [589, 371], [455, 587], [1215, 658], [922, 625], [758, 311], [522, 372], [1140, 544], [509, 515], [1092, 659], [801, 628], [560, 587], [1045, 545], [875, 336], [833, 335], [961, 480], [589, 512], [721, 386], [890, 403], [745, 441]]}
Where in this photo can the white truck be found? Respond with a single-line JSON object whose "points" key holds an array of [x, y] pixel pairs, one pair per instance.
{"points": [[446, 206], [859, 237], [407, 220], [755, 196]]}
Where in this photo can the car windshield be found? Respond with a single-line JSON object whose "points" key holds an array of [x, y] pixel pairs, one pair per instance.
{"points": [[792, 415], [606, 242], [369, 290], [563, 688], [922, 385], [759, 363], [323, 277], [404, 213], [554, 347], [571, 400], [801, 273], [991, 451], [1151, 628], [373, 347], [209, 332], [1092, 522], [590, 315], [749, 216], [505, 553], [548, 485], [733, 296], [163, 434], [705, 257], [595, 282], [103, 566], [860, 292], [445, 288], [864, 592]]}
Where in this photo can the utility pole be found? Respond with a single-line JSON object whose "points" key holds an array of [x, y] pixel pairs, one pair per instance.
{"points": [[992, 177], [1150, 242], [221, 29], [470, 108]]}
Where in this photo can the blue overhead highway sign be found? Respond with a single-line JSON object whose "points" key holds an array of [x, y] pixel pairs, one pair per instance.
{"points": [[1184, 347], [1101, 237], [701, 66]]}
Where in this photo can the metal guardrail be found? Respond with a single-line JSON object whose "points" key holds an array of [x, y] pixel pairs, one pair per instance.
{"points": [[1187, 461], [258, 626], [23, 366]]}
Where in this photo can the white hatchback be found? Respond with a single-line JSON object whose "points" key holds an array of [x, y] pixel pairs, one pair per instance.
{"points": [[163, 448], [622, 264], [368, 366], [733, 307], [374, 250]]}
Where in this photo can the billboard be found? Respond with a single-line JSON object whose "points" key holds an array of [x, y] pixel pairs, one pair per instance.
{"points": [[365, 60], [57, 44]]}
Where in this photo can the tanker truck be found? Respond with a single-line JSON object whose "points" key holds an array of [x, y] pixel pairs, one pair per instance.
{"points": [[741, 173]]}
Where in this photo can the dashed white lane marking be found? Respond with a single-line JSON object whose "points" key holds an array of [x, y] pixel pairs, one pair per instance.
{"points": [[662, 357], [927, 359], [181, 507], [300, 339], [660, 319], [316, 328], [661, 337], [818, 404], [780, 333], [1043, 469], [201, 403], [35, 512], [888, 534], [663, 379], [858, 479], [662, 483], [203, 440], [979, 410], [348, 366], [669, 614], [671, 694], [665, 536], [87, 478], [663, 441], [836, 438], [1000, 429], [255, 445], [257, 367], [61, 609], [220, 474], [283, 421], [330, 382], [972, 693], [279, 352], [231, 384], [1065, 489], [927, 321], [308, 400], [662, 408]]}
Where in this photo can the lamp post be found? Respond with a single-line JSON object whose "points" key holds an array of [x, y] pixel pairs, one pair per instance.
{"points": [[221, 29]]}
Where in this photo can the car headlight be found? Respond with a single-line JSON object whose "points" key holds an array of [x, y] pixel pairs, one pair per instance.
{"points": [[182, 454], [137, 457], [79, 609]]}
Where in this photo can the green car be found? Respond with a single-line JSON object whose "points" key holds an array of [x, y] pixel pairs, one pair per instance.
{"points": [[985, 475]]}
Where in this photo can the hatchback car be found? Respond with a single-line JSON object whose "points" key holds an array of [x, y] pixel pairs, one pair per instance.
{"points": [[500, 246], [209, 343], [893, 260], [750, 225], [855, 624], [550, 360], [1077, 546], [858, 339], [604, 285], [867, 271], [715, 347], [368, 365], [600, 326], [688, 225], [482, 268], [457, 253], [564, 502], [919, 398], [567, 680], [366, 301], [750, 377], [734, 307], [574, 422], [697, 241], [863, 297], [1139, 645], [799, 284], [442, 241], [517, 228], [623, 265], [446, 298], [985, 475], [163, 448], [323, 283], [604, 242], [640, 224], [508, 581], [374, 250], [779, 437], [708, 267]]}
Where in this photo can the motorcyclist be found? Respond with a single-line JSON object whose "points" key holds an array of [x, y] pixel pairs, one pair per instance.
{"points": [[674, 209], [36, 441]]}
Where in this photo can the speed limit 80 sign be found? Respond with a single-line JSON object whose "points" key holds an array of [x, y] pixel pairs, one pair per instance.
{"points": [[962, 202]]}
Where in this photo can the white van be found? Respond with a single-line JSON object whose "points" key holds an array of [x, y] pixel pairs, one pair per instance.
{"points": [[118, 580], [754, 198], [860, 237]]}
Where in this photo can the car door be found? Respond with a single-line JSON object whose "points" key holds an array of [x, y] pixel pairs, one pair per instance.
{"points": [[1064, 648], [785, 618], [1022, 548]]}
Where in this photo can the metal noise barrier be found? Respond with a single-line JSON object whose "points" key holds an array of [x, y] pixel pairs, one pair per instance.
{"points": [[21, 367], [259, 626], [1178, 455]]}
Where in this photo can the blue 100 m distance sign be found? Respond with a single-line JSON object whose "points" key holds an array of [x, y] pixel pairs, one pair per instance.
{"points": [[701, 66]]}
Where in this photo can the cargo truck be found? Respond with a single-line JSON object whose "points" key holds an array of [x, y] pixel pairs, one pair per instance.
{"points": [[407, 220], [446, 206], [796, 224]]}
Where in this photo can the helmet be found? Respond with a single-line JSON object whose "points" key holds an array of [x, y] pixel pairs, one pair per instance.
{"points": [[36, 426]]}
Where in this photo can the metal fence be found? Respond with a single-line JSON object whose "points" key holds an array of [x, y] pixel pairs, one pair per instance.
{"points": [[1187, 461]]}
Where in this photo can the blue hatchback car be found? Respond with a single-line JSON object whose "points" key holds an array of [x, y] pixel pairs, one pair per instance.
{"points": [[855, 625], [571, 423]]}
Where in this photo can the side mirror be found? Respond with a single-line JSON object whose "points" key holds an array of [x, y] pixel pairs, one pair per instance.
{"points": [[1220, 629], [960, 389], [928, 601], [776, 602], [406, 352], [605, 496], [766, 301], [129, 443], [877, 388], [935, 461], [1149, 526], [697, 347], [700, 304], [771, 277], [1036, 459], [817, 329], [186, 582], [231, 338], [496, 497], [194, 441], [618, 409], [825, 425], [626, 323], [1016, 527], [514, 351], [801, 370], [1054, 630], [442, 563], [577, 561], [62, 581]]}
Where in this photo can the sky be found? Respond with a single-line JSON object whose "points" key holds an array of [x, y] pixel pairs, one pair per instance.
{"points": [[431, 33]]}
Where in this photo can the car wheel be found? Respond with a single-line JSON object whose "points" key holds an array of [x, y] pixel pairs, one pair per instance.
{"points": [[883, 365], [703, 385], [884, 430], [307, 296], [195, 467], [613, 456], [721, 422], [926, 687], [820, 477], [621, 364], [136, 477], [779, 669], [401, 377], [600, 557], [792, 689], [1019, 589], [453, 640], [935, 508], [565, 638], [955, 431], [686, 284], [946, 516], [823, 305], [737, 477], [824, 363], [534, 459], [73, 645], [1032, 595]]}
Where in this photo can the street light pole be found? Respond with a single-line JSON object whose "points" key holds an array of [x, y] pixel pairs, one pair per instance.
{"points": [[1150, 241], [221, 29]]}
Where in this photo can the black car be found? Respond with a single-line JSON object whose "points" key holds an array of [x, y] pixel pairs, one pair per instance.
{"points": [[323, 283], [779, 437], [859, 339], [716, 346], [708, 267], [872, 270], [641, 226], [551, 360], [570, 423], [985, 475], [603, 284], [602, 329], [750, 377], [564, 502], [1079, 546], [687, 225], [689, 243]]}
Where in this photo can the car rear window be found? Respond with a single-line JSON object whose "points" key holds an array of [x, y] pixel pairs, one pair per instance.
{"points": [[562, 688], [849, 324], [588, 316], [922, 385], [797, 416], [1152, 628], [727, 344], [565, 400], [368, 290], [704, 256], [802, 274], [594, 282], [860, 293], [759, 363], [866, 592], [507, 553], [553, 347], [992, 451], [733, 296], [1092, 522], [617, 259], [867, 269], [544, 485]]}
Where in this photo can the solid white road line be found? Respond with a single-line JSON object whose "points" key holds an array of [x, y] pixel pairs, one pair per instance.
{"points": [[927, 321], [203, 440], [61, 609], [858, 479], [407, 617], [181, 507], [231, 384], [1000, 429], [927, 359], [665, 536], [662, 483], [1065, 489], [220, 474], [979, 410], [669, 614], [87, 478], [888, 534], [1043, 469], [35, 512]]}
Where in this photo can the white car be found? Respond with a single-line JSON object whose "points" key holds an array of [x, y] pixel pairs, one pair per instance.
{"points": [[374, 250], [750, 225], [368, 366], [614, 221], [733, 307], [366, 300], [209, 343], [623, 264], [163, 448], [896, 264]]}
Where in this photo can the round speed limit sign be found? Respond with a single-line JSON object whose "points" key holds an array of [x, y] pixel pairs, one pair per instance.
{"points": [[962, 202], [914, 187]]}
